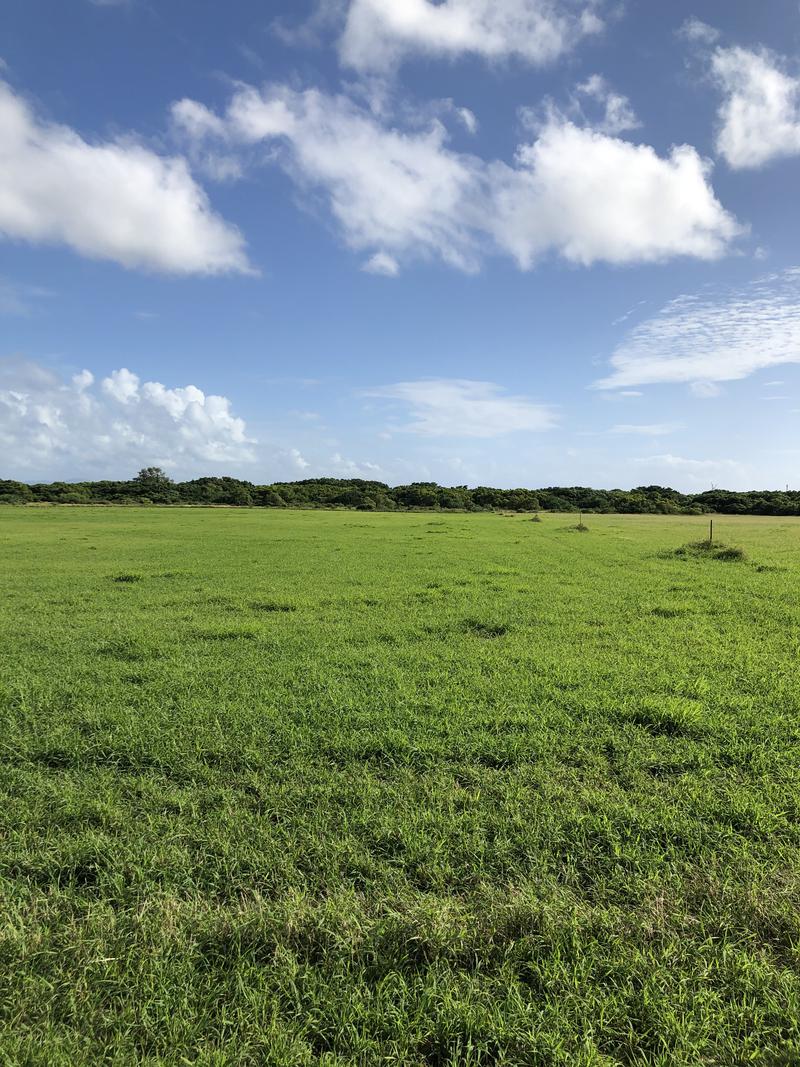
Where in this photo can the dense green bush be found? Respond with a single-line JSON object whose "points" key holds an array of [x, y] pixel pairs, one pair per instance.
{"points": [[152, 485]]}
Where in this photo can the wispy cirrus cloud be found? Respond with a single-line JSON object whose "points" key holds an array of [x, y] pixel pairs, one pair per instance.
{"points": [[344, 467], [18, 298], [382, 263], [721, 336], [651, 429], [696, 31], [459, 407], [327, 17]]}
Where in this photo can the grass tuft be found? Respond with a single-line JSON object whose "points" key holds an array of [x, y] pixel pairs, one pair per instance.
{"points": [[272, 606], [487, 630], [670, 718], [730, 555]]}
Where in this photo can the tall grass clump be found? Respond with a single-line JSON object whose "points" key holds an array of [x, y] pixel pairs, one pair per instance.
{"points": [[707, 549]]}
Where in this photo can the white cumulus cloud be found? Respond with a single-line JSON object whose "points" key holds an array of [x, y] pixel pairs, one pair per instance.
{"points": [[122, 385], [759, 118], [716, 337], [400, 191], [380, 34], [114, 200], [75, 429], [594, 197], [618, 116], [458, 407]]}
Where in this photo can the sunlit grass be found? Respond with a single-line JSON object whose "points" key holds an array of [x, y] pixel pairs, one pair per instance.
{"points": [[342, 788]]}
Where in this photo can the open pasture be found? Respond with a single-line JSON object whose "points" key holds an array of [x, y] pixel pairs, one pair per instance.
{"points": [[294, 788]]}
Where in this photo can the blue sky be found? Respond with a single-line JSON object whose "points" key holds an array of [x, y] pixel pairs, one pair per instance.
{"points": [[508, 242]]}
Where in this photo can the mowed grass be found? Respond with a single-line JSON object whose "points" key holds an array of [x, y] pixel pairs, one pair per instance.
{"points": [[288, 788]]}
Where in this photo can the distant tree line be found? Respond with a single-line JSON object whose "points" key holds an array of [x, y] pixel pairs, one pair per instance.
{"points": [[153, 486]]}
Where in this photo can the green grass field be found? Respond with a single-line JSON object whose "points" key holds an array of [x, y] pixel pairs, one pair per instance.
{"points": [[288, 788]]}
